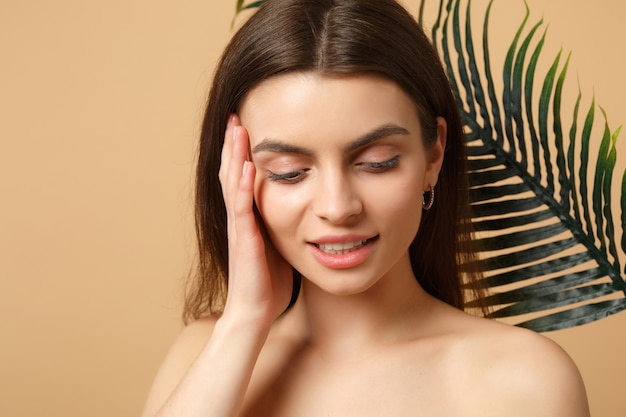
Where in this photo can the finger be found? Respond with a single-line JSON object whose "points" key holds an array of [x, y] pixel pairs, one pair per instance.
{"points": [[233, 176], [227, 147], [248, 246], [244, 206], [238, 156]]}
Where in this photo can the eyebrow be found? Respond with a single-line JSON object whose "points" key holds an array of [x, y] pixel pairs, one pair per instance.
{"points": [[272, 145]]}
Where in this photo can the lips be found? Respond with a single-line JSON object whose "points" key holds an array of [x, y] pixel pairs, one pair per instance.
{"points": [[342, 252]]}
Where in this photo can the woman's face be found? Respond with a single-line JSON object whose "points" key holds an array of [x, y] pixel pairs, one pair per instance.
{"points": [[341, 168]]}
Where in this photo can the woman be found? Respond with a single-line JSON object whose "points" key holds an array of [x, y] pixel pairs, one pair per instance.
{"points": [[331, 212]]}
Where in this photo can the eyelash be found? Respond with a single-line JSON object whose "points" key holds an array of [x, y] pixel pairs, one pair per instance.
{"points": [[287, 178], [297, 176], [377, 167]]}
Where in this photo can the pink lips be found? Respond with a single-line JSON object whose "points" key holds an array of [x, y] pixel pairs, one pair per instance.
{"points": [[342, 252]]}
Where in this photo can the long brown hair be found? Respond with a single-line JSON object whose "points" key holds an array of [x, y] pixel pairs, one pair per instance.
{"points": [[336, 38]]}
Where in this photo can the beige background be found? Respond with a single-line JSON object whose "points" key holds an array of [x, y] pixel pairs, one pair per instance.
{"points": [[100, 103]]}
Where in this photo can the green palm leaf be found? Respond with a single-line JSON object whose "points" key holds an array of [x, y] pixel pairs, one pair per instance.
{"points": [[543, 216]]}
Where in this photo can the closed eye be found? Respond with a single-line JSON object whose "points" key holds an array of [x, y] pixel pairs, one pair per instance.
{"points": [[288, 177], [376, 167]]}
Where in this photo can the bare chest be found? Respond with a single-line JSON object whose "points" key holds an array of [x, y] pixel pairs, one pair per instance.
{"points": [[394, 384]]}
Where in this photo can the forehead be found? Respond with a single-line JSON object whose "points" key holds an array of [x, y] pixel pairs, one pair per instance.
{"points": [[300, 106]]}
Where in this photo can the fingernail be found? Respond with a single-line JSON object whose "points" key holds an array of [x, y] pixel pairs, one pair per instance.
{"points": [[231, 120], [236, 132]]}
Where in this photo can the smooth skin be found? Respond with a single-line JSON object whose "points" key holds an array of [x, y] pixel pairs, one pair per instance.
{"points": [[332, 160]]}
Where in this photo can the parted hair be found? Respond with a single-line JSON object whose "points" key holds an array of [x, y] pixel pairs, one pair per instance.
{"points": [[337, 38]]}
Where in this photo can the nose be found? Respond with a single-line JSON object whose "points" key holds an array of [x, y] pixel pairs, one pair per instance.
{"points": [[336, 200]]}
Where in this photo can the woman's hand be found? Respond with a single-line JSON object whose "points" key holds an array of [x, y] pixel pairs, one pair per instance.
{"points": [[259, 279], [259, 290]]}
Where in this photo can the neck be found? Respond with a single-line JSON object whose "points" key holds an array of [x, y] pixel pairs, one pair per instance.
{"points": [[392, 310]]}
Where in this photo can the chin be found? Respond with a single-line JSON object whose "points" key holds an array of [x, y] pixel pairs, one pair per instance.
{"points": [[342, 284]]}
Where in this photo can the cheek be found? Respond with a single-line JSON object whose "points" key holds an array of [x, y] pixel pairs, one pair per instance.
{"points": [[405, 206], [281, 208], [398, 202]]}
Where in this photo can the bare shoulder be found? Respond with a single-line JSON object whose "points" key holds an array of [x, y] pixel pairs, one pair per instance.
{"points": [[183, 352], [525, 373]]}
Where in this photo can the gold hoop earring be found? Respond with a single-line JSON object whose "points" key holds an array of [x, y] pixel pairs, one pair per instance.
{"points": [[431, 200]]}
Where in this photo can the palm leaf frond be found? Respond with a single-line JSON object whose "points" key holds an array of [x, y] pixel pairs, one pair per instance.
{"points": [[542, 212]]}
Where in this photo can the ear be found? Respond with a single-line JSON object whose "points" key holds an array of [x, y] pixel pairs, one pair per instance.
{"points": [[436, 153]]}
